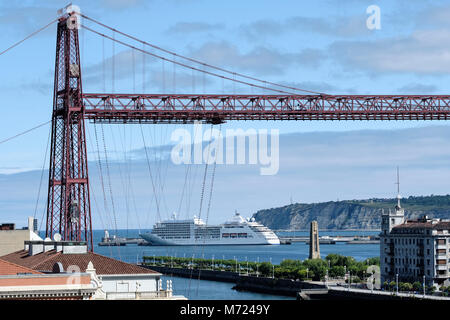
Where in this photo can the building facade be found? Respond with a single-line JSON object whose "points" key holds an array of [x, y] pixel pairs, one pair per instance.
{"points": [[21, 283], [12, 239], [414, 250]]}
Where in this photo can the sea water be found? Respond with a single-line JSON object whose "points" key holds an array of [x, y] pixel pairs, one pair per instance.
{"points": [[203, 289]]}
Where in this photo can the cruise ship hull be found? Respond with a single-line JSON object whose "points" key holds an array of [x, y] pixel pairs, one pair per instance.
{"points": [[157, 241], [194, 232]]}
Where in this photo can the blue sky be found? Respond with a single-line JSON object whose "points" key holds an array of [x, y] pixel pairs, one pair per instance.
{"points": [[317, 45]]}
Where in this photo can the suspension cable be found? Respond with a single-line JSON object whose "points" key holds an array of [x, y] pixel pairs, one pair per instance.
{"points": [[29, 36], [200, 62], [150, 172], [185, 65], [24, 132]]}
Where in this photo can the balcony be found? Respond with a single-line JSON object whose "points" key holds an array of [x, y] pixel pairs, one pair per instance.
{"points": [[162, 294], [442, 275], [441, 267]]}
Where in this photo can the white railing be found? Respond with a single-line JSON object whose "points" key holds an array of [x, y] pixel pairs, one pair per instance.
{"points": [[163, 294]]}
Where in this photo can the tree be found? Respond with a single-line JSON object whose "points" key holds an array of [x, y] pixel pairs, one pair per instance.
{"points": [[301, 274], [392, 285], [405, 286], [336, 271], [265, 268], [417, 286]]}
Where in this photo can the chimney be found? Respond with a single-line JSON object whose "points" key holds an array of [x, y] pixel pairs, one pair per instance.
{"points": [[73, 247], [48, 244], [31, 223], [35, 247]]}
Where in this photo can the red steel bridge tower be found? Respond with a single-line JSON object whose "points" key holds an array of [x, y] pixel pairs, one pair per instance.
{"points": [[68, 206]]}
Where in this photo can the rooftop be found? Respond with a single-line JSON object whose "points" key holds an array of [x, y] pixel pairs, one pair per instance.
{"points": [[8, 268], [424, 223], [45, 261]]}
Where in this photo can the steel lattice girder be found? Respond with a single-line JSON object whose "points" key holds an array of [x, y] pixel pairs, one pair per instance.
{"points": [[217, 108], [68, 206]]}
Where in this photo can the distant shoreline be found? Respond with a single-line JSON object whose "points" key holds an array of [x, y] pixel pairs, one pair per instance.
{"points": [[328, 230]]}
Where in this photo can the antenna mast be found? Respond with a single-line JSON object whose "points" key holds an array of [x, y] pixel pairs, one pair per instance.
{"points": [[398, 189]]}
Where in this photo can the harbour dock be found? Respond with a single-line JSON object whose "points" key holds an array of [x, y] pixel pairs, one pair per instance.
{"points": [[332, 239], [120, 241]]}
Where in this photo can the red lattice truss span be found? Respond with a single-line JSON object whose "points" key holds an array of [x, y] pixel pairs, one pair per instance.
{"points": [[219, 108]]}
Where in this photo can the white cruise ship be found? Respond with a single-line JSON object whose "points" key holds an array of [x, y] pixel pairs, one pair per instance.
{"points": [[195, 232]]}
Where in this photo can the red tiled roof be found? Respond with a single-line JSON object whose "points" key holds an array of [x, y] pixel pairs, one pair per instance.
{"points": [[46, 260], [8, 268], [442, 225], [414, 225]]}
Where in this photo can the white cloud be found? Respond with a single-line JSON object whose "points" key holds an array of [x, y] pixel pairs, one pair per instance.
{"points": [[182, 28], [260, 60], [422, 52]]}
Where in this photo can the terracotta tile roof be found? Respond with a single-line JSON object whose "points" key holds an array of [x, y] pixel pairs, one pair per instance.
{"points": [[8, 268], [442, 225], [23, 259], [103, 265], [414, 225]]}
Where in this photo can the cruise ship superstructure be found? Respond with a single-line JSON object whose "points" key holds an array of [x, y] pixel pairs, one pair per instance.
{"points": [[237, 231]]}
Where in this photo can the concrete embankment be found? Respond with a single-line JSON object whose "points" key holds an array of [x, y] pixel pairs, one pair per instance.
{"points": [[286, 287], [341, 293], [283, 287], [224, 276]]}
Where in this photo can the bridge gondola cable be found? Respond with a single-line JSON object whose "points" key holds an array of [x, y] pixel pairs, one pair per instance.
{"points": [[187, 66], [199, 62]]}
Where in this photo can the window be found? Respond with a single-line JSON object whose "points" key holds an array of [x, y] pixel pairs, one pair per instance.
{"points": [[440, 241]]}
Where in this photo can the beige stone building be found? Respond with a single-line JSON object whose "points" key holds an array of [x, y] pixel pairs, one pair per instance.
{"points": [[12, 239]]}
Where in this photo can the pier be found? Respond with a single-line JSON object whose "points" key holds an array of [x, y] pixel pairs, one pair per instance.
{"points": [[332, 239], [120, 241]]}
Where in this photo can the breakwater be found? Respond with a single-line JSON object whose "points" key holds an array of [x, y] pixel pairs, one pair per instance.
{"points": [[285, 287], [302, 290]]}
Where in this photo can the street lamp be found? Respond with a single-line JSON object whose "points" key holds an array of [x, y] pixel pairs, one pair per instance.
{"points": [[423, 284], [213, 262], [257, 265], [349, 280], [396, 281], [247, 264]]}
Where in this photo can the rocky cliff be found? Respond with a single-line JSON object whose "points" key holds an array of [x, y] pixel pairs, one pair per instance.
{"points": [[356, 214]]}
